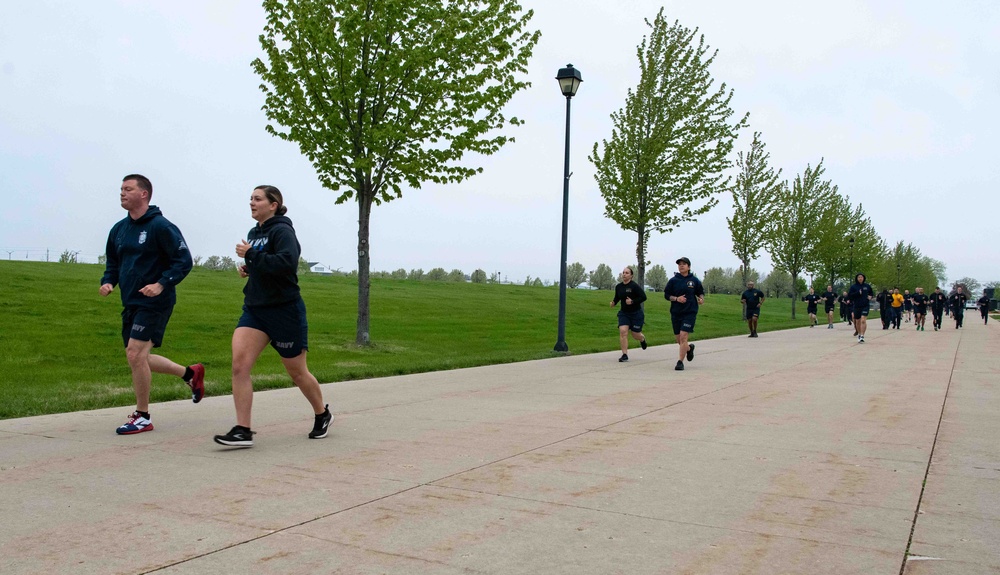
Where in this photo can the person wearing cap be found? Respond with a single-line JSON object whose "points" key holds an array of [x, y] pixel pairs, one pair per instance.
{"points": [[685, 293], [752, 298], [630, 318], [860, 295]]}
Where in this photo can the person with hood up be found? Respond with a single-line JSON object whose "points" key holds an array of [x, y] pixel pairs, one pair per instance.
{"points": [[273, 313], [146, 258], [860, 295]]}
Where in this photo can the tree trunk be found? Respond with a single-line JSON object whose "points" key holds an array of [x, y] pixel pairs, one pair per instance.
{"points": [[795, 292], [640, 254], [364, 271]]}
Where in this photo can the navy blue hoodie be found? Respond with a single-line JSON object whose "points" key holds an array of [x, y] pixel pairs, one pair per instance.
{"points": [[690, 287], [146, 251], [273, 264]]}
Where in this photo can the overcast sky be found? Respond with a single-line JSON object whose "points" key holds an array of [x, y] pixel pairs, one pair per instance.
{"points": [[900, 98]]}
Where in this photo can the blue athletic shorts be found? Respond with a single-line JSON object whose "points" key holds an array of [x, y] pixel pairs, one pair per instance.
{"points": [[861, 311], [753, 312], [683, 322], [144, 324], [285, 324], [633, 320]]}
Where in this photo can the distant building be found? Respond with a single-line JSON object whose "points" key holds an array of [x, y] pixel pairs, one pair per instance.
{"points": [[318, 268]]}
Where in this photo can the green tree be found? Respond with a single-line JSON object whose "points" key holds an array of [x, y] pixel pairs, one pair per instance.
{"points": [[416, 274], [755, 199], [68, 257], [670, 144], [436, 275], [399, 274], [777, 284], [715, 280], [456, 275], [576, 274], [656, 278], [478, 277], [537, 283], [383, 93], [602, 277], [969, 285], [794, 235], [303, 265], [213, 263]]}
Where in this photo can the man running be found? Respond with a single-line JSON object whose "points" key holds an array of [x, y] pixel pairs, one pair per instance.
{"points": [[752, 298], [919, 308], [907, 304], [860, 295], [938, 300], [957, 302], [146, 258], [844, 302], [685, 293], [897, 307], [811, 300], [984, 306], [831, 301], [630, 317], [884, 299]]}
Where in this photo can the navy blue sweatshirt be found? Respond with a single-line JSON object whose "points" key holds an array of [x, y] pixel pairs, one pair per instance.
{"points": [[146, 251], [273, 264], [690, 287]]}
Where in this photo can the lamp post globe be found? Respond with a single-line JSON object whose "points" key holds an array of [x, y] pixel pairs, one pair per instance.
{"points": [[569, 79]]}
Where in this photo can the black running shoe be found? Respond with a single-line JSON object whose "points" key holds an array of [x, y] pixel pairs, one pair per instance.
{"points": [[623, 358], [690, 353], [238, 436], [322, 425], [642, 344], [679, 366]]}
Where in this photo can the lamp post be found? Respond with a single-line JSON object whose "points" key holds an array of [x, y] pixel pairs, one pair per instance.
{"points": [[569, 81], [853, 278], [898, 267]]}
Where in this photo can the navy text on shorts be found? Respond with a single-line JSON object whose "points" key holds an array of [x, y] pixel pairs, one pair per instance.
{"points": [[285, 324]]}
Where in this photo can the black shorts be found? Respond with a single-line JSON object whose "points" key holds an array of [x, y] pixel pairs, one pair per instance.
{"points": [[145, 324], [811, 309], [285, 324], [829, 309], [683, 322], [861, 311], [908, 306], [633, 320], [920, 310], [753, 312]]}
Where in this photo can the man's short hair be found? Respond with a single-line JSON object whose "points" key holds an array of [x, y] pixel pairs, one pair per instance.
{"points": [[141, 181]]}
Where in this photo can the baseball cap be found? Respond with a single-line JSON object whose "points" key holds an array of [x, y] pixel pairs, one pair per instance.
{"points": [[685, 260]]}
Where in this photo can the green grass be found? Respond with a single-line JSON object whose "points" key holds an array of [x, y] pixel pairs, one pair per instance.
{"points": [[61, 348]]}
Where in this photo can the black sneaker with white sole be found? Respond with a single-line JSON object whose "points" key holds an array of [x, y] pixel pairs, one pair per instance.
{"points": [[238, 436], [690, 353], [623, 358], [322, 425]]}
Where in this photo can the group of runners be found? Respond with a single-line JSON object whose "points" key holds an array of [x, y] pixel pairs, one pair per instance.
{"points": [[685, 293], [147, 257]]}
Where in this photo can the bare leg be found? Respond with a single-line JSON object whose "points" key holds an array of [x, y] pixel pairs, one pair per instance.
{"points": [[137, 354], [248, 343], [305, 381], [623, 338], [682, 345]]}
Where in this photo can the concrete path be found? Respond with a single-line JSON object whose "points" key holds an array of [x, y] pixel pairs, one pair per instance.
{"points": [[797, 452]]}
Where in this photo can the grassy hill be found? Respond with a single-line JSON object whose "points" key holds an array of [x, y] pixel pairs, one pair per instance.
{"points": [[61, 348]]}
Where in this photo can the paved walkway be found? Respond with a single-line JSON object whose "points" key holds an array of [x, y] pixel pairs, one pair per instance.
{"points": [[798, 452]]}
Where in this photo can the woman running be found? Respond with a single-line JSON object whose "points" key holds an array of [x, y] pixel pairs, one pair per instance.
{"points": [[273, 313]]}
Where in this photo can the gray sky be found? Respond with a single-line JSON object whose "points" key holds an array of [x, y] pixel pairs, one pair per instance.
{"points": [[900, 98]]}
